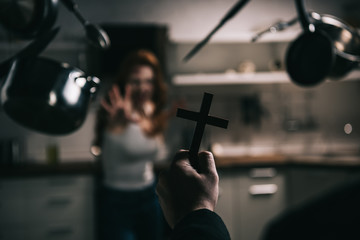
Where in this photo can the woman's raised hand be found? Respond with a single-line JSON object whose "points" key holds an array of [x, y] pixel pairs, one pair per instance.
{"points": [[117, 103]]}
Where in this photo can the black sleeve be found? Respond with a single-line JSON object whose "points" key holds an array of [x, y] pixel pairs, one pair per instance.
{"points": [[201, 225], [332, 216]]}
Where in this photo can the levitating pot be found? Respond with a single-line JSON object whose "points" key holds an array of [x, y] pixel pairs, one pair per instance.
{"points": [[47, 96]]}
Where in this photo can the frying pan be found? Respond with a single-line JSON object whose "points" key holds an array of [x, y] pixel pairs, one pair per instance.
{"points": [[310, 58]]}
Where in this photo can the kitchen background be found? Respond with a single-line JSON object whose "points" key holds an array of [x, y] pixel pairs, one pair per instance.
{"points": [[269, 116], [277, 113]]}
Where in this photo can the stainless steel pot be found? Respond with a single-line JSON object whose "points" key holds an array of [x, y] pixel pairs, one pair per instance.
{"points": [[46, 95], [345, 41]]}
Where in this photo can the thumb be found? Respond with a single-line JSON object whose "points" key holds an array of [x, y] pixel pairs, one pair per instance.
{"points": [[207, 163]]}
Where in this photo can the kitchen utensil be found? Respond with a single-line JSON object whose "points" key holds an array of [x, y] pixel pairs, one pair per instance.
{"points": [[46, 95], [311, 56], [28, 19], [97, 36], [236, 8], [32, 50], [277, 27], [345, 38]]}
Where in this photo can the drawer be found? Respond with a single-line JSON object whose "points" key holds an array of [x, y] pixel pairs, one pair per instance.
{"points": [[63, 184], [11, 189], [11, 210], [58, 207], [12, 232], [69, 230]]}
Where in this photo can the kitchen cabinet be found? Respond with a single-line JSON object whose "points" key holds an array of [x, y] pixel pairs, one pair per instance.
{"points": [[49, 207], [249, 198], [306, 183]]}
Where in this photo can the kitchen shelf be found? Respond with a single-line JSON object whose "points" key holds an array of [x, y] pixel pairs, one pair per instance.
{"points": [[241, 37], [242, 78]]}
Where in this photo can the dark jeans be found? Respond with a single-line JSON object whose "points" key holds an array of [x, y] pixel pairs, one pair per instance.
{"points": [[129, 215]]}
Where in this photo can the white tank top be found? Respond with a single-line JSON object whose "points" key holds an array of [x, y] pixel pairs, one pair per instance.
{"points": [[128, 158]]}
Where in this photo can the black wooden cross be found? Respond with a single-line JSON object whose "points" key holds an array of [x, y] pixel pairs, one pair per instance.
{"points": [[202, 118]]}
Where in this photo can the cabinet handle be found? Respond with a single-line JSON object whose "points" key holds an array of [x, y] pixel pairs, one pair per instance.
{"points": [[59, 201], [66, 230], [262, 173], [263, 189], [61, 182]]}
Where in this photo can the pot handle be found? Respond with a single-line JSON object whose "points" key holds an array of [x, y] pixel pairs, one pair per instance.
{"points": [[304, 16], [32, 50], [94, 84], [89, 83]]}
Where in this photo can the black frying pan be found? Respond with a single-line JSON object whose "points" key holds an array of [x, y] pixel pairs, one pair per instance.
{"points": [[310, 58]]}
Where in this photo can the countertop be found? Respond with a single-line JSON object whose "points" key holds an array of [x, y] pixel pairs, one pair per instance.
{"points": [[222, 162], [38, 169], [311, 160]]}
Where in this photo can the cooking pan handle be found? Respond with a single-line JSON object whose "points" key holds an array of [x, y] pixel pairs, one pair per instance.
{"points": [[31, 50], [304, 16], [277, 27]]}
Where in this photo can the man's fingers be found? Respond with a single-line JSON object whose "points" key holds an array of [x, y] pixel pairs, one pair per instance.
{"points": [[162, 186], [207, 163], [181, 155], [181, 164]]}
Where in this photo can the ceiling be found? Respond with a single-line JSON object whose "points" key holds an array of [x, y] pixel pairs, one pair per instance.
{"points": [[192, 20]]}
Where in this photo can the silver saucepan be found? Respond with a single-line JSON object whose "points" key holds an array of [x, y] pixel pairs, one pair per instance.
{"points": [[345, 42]]}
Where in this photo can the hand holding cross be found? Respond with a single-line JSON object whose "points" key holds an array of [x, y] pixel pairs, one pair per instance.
{"points": [[202, 118]]}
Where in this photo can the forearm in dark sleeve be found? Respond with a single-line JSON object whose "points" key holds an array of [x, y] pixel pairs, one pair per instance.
{"points": [[201, 225]]}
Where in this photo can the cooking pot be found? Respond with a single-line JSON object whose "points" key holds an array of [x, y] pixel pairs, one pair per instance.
{"points": [[46, 95], [346, 42], [327, 48]]}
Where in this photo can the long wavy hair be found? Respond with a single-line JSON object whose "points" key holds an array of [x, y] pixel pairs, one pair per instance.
{"points": [[159, 97]]}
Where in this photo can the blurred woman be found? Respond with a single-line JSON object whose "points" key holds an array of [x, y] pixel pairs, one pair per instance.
{"points": [[129, 139]]}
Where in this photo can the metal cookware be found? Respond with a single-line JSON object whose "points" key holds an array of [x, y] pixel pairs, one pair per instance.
{"points": [[311, 56], [46, 95], [96, 36], [328, 48], [345, 41], [30, 51], [231, 13]]}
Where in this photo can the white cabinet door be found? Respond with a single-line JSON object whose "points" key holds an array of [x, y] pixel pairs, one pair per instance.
{"points": [[59, 207], [259, 199], [249, 199]]}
